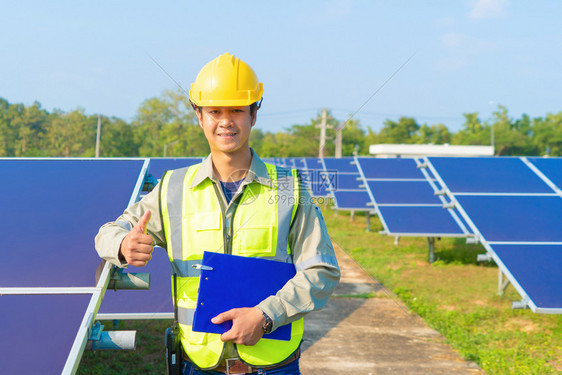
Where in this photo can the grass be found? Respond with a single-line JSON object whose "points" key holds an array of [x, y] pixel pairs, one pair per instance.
{"points": [[455, 295], [147, 358]]}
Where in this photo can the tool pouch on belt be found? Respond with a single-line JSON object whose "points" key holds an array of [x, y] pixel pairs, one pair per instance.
{"points": [[173, 351], [174, 355]]}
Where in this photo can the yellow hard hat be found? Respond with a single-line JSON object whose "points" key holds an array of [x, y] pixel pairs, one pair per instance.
{"points": [[226, 81]]}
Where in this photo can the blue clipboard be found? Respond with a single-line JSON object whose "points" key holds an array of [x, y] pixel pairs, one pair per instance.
{"points": [[230, 281]]}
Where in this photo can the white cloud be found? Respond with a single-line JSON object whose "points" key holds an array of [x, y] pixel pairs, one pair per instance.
{"points": [[453, 40], [332, 11], [460, 51], [451, 63], [445, 21], [488, 9], [467, 43]]}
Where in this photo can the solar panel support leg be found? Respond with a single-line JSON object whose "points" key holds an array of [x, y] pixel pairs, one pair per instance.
{"points": [[502, 282], [396, 240], [431, 245], [352, 215], [111, 340], [128, 280], [368, 216], [523, 304]]}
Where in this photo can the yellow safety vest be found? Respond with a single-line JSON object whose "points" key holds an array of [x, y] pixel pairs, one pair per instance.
{"points": [[193, 223]]}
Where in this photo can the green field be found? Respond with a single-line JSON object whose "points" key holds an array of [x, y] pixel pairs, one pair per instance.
{"points": [[455, 295]]}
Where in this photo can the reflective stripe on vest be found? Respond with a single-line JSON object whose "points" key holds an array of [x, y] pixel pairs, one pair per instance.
{"points": [[194, 223]]}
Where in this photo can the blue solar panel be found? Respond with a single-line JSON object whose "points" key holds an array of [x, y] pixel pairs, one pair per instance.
{"points": [[38, 331], [518, 217], [339, 181], [156, 300], [158, 166], [341, 165], [551, 168], [353, 200], [537, 269], [319, 190], [51, 211], [289, 163], [419, 221], [515, 218], [488, 175], [314, 163], [403, 192], [390, 168], [300, 164]]}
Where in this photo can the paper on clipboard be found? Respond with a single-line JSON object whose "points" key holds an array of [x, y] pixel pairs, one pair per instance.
{"points": [[230, 281]]}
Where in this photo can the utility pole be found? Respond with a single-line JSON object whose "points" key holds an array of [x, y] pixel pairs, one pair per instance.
{"points": [[492, 140], [98, 136], [169, 144], [322, 134], [339, 135]]}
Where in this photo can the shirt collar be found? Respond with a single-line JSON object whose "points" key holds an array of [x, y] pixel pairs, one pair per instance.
{"points": [[258, 172]]}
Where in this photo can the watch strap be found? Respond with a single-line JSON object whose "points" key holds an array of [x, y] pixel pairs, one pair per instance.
{"points": [[268, 324]]}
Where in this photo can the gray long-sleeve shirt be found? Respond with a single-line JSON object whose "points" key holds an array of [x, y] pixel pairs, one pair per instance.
{"points": [[313, 255]]}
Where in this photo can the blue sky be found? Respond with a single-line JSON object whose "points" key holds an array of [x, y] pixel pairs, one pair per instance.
{"points": [[468, 56]]}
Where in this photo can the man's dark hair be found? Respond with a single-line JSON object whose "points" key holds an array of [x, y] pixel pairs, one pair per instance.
{"points": [[253, 107]]}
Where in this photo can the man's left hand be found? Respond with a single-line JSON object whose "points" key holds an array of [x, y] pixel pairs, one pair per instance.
{"points": [[247, 323]]}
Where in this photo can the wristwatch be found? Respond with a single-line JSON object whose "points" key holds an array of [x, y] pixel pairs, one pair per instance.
{"points": [[268, 324]]}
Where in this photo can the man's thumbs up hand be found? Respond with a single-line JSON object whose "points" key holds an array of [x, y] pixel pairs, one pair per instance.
{"points": [[137, 247], [143, 222]]}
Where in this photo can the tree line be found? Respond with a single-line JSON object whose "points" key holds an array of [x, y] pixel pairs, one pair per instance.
{"points": [[167, 126]]}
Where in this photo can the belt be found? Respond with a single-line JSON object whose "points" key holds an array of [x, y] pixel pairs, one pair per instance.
{"points": [[236, 366]]}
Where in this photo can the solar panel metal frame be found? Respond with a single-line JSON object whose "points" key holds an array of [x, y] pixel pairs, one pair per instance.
{"points": [[314, 171], [535, 168], [75, 354], [353, 161], [139, 315], [313, 167], [426, 179], [164, 159], [488, 245]]}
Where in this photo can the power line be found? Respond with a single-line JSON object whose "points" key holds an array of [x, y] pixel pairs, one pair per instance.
{"points": [[307, 110]]}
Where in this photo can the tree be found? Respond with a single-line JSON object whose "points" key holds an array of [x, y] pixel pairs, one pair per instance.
{"points": [[509, 139], [67, 134], [117, 138], [353, 134], [29, 124], [7, 134], [473, 131], [403, 131], [547, 134], [435, 134], [168, 120]]}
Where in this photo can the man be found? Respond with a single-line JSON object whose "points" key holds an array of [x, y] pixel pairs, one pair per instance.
{"points": [[233, 203]]}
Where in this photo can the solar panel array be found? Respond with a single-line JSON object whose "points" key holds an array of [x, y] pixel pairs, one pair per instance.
{"points": [[53, 208], [346, 185], [51, 211], [158, 166], [514, 206], [155, 303], [404, 196]]}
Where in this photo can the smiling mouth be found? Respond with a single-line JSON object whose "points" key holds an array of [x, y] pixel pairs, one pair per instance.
{"points": [[227, 134]]}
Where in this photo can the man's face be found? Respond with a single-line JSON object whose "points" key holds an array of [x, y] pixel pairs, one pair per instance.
{"points": [[227, 129]]}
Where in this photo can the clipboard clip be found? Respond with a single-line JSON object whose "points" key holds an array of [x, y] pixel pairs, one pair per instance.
{"points": [[201, 267]]}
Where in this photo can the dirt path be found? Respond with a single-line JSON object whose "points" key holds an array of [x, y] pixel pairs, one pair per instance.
{"points": [[373, 335]]}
